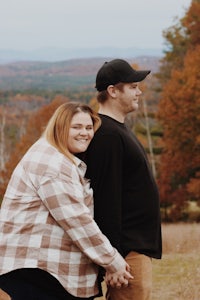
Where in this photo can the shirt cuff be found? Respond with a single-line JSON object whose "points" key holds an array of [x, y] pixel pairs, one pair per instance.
{"points": [[116, 264]]}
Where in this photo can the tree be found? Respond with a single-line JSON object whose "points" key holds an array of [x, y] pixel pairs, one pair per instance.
{"points": [[35, 126], [192, 24], [179, 111], [2, 140]]}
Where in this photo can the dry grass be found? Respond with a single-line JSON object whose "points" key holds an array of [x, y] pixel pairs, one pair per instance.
{"points": [[181, 238], [177, 275]]}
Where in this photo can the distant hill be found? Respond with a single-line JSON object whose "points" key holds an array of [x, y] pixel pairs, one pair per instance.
{"points": [[60, 75], [62, 54]]}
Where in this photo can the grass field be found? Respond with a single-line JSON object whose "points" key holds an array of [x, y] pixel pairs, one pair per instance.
{"points": [[177, 275]]}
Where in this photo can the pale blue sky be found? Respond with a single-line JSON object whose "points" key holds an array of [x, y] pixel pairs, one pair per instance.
{"points": [[32, 24]]}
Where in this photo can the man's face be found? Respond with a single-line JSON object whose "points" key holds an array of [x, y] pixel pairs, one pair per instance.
{"points": [[129, 97]]}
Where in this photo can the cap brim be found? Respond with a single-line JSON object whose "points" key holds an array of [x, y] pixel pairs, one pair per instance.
{"points": [[139, 75]]}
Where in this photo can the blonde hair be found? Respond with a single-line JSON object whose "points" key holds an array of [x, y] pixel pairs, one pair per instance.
{"points": [[57, 129]]}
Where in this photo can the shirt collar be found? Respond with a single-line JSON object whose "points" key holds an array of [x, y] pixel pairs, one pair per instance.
{"points": [[80, 164]]}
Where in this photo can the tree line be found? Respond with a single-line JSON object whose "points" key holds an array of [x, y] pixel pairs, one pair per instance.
{"points": [[179, 114], [168, 123]]}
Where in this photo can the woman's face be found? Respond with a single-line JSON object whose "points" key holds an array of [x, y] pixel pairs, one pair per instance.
{"points": [[81, 132]]}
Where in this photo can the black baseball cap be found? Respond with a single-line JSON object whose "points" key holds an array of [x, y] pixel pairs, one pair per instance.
{"points": [[118, 70]]}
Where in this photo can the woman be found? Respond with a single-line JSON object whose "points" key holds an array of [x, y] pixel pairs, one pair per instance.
{"points": [[50, 245]]}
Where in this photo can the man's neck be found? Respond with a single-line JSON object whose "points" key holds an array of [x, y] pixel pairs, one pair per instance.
{"points": [[112, 113]]}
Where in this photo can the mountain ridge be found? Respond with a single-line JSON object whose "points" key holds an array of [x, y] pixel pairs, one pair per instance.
{"points": [[61, 75], [58, 54]]}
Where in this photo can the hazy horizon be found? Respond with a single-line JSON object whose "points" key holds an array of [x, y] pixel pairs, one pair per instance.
{"points": [[28, 25]]}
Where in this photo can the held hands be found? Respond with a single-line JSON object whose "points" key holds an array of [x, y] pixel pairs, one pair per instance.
{"points": [[120, 278]]}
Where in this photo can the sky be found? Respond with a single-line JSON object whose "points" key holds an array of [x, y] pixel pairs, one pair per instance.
{"points": [[33, 24]]}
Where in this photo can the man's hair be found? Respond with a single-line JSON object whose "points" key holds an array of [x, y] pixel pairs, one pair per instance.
{"points": [[103, 96], [57, 129]]}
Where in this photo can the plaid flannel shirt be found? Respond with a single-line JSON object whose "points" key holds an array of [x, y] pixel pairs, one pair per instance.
{"points": [[46, 221]]}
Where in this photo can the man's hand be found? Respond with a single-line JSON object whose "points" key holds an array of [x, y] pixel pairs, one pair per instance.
{"points": [[118, 279]]}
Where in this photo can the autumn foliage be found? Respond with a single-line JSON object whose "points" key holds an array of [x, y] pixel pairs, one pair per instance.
{"points": [[174, 134], [179, 114], [35, 126]]}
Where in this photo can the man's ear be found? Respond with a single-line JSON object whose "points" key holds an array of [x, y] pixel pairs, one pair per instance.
{"points": [[111, 89]]}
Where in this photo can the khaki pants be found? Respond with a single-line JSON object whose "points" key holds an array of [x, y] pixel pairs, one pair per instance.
{"points": [[140, 286], [4, 295]]}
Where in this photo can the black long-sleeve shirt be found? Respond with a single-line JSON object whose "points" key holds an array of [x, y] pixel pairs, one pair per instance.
{"points": [[126, 200]]}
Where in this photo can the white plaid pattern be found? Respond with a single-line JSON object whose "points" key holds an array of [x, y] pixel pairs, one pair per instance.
{"points": [[46, 221]]}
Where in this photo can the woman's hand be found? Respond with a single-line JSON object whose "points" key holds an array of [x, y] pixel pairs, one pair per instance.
{"points": [[118, 279]]}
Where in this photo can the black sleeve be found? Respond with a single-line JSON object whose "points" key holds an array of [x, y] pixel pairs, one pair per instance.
{"points": [[104, 168]]}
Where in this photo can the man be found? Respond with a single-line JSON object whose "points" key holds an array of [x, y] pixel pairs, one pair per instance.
{"points": [[126, 199]]}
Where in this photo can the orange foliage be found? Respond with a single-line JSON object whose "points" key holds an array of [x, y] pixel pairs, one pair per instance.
{"points": [[35, 126], [94, 104], [193, 186], [179, 113], [192, 23]]}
